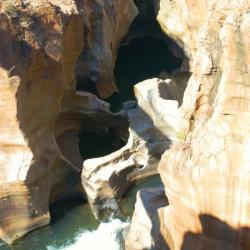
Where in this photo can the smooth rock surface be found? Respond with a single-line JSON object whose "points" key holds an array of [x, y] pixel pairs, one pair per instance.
{"points": [[41, 48]]}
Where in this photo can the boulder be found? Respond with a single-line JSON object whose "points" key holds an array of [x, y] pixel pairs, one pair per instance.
{"points": [[144, 231]]}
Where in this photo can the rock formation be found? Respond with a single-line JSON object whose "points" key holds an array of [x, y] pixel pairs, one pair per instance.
{"points": [[154, 124], [144, 231], [206, 176], [44, 45], [51, 48], [205, 173]]}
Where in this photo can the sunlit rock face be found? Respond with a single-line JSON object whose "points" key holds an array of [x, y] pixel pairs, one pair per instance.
{"points": [[144, 231], [51, 48], [153, 125], [44, 44], [206, 176]]}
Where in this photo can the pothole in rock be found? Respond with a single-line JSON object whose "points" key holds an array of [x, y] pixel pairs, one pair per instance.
{"points": [[93, 145], [144, 53], [142, 58], [90, 145]]}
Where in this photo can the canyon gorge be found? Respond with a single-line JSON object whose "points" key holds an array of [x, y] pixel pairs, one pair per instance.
{"points": [[97, 96]]}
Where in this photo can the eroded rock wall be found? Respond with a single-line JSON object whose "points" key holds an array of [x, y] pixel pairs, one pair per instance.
{"points": [[46, 44], [40, 112], [206, 176], [153, 124]]}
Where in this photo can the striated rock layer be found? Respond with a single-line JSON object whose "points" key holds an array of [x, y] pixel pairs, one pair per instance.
{"points": [[206, 176], [50, 48], [43, 46], [153, 125]]}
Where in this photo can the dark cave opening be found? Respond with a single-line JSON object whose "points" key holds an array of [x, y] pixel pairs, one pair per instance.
{"points": [[69, 194], [93, 145], [145, 52], [142, 58]]}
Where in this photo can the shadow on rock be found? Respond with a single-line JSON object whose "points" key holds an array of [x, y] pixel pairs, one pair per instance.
{"points": [[217, 235]]}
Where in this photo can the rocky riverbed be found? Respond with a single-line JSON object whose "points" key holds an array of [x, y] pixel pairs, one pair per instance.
{"points": [[61, 65]]}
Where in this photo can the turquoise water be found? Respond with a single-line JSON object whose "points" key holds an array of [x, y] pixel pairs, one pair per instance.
{"points": [[60, 233], [74, 227]]}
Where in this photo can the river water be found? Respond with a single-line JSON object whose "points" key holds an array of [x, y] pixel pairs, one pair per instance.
{"points": [[74, 227]]}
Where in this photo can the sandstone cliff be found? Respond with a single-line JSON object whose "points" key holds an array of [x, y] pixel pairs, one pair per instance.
{"points": [[206, 173], [206, 176], [51, 48], [44, 45]]}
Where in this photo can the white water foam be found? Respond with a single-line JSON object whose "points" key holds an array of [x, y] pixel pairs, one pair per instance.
{"points": [[106, 236]]}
